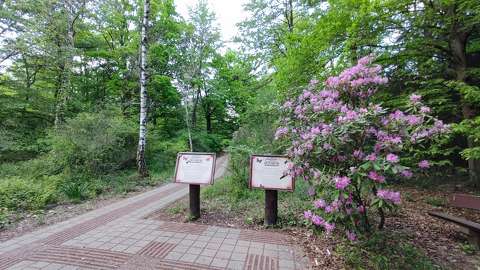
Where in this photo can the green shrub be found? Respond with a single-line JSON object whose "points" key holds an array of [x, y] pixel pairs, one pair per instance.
{"points": [[255, 136], [384, 250], [3, 217], [162, 152], [208, 142], [20, 194], [77, 187], [94, 143]]}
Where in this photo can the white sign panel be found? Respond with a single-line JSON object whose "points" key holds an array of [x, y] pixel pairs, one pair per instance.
{"points": [[195, 168], [270, 172]]}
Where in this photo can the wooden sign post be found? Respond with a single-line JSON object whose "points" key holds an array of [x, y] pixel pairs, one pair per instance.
{"points": [[269, 172], [195, 169]]}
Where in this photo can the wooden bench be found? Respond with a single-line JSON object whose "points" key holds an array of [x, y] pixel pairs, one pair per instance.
{"points": [[469, 227]]}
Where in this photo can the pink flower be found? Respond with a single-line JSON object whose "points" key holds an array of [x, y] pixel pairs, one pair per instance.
{"points": [[376, 177], [415, 98], [320, 203], [315, 130], [317, 220], [371, 157], [329, 227], [327, 146], [425, 109], [341, 182], [361, 209], [307, 214], [281, 131], [392, 158], [351, 236], [413, 120], [358, 154], [407, 174], [388, 195], [288, 104], [424, 164]]}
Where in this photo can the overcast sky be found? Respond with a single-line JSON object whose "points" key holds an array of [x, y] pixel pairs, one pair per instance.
{"points": [[228, 13]]}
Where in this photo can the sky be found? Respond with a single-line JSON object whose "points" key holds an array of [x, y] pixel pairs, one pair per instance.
{"points": [[228, 13]]}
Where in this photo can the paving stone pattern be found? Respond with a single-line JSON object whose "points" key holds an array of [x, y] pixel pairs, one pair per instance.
{"points": [[119, 236]]}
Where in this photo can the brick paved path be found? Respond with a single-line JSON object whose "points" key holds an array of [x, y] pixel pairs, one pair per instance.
{"points": [[119, 236]]}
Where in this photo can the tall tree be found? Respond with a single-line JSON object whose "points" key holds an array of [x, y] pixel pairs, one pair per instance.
{"points": [[142, 136], [198, 48], [71, 11]]}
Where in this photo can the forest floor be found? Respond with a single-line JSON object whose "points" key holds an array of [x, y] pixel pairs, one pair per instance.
{"points": [[411, 236]]}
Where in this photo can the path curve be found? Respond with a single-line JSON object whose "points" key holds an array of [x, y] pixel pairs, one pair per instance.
{"points": [[120, 236]]}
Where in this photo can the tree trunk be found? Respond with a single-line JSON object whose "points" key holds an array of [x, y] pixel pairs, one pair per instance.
{"points": [[66, 56], [458, 43], [208, 119], [141, 164], [196, 99]]}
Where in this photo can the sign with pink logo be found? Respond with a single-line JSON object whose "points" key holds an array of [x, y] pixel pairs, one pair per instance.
{"points": [[270, 172], [195, 168]]}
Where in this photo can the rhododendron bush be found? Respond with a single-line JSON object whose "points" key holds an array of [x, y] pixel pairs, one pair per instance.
{"points": [[348, 147]]}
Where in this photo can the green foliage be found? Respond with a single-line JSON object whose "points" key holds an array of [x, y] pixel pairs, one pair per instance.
{"points": [[256, 135], [162, 152], [93, 143], [16, 193], [208, 142], [3, 217], [384, 251], [470, 128], [75, 191], [230, 193], [436, 201]]}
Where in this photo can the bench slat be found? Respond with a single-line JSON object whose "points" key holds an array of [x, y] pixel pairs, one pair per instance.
{"points": [[460, 221], [465, 201]]}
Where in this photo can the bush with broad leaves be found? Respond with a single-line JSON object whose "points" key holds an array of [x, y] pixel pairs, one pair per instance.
{"points": [[348, 147]]}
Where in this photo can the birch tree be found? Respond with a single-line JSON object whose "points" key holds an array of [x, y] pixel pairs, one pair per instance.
{"points": [[141, 164]]}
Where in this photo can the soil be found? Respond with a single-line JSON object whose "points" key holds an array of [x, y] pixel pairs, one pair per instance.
{"points": [[441, 241]]}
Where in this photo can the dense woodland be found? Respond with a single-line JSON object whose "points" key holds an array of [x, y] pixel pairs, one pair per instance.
{"points": [[99, 96]]}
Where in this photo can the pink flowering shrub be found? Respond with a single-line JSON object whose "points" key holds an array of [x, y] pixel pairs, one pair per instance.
{"points": [[348, 147]]}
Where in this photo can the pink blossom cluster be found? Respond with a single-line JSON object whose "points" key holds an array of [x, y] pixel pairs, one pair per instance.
{"points": [[335, 132], [341, 182], [319, 221], [388, 195], [359, 80]]}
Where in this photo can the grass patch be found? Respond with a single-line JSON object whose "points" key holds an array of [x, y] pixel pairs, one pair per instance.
{"points": [[230, 197], [384, 250], [435, 201]]}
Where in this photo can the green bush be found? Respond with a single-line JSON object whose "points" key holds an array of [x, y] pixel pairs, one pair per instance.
{"points": [[162, 152], [384, 250], [208, 142], [94, 143], [17, 193], [255, 136]]}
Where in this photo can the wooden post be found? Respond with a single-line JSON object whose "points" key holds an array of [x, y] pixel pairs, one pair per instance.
{"points": [[271, 207], [194, 201]]}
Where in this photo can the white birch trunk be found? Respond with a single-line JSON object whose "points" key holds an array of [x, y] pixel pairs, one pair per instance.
{"points": [[141, 165]]}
